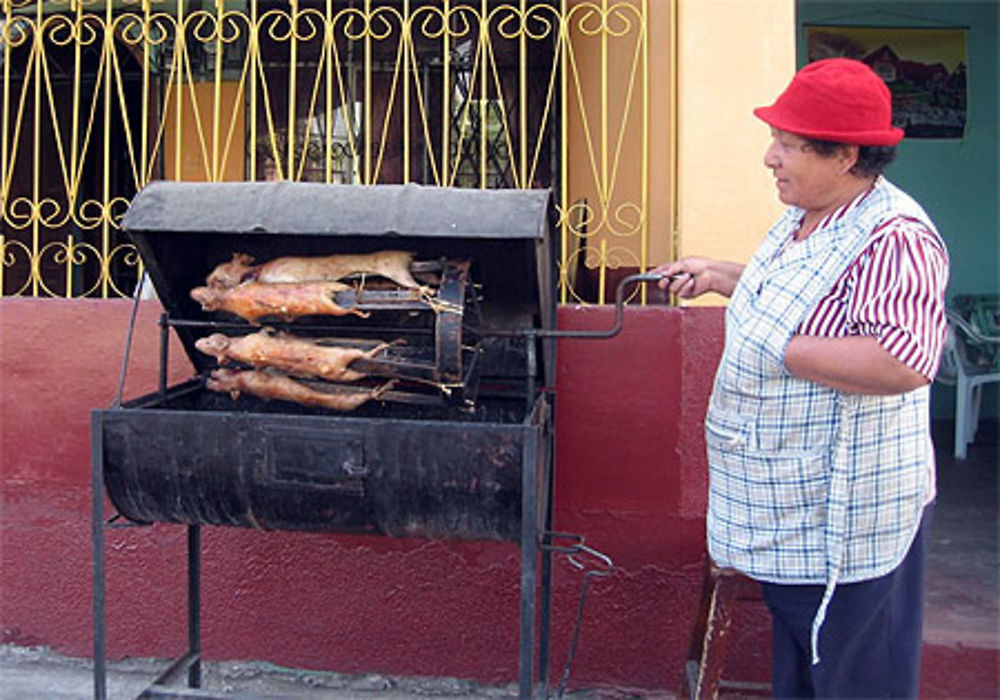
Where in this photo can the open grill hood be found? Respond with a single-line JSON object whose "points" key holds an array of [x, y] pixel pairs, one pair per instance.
{"points": [[183, 230]]}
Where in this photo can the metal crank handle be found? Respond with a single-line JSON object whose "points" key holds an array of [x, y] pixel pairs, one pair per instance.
{"points": [[619, 311]]}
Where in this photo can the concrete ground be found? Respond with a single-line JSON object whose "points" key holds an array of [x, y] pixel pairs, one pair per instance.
{"points": [[962, 603], [26, 674], [961, 632]]}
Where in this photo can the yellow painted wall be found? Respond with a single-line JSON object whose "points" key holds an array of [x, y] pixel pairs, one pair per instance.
{"points": [[734, 55], [661, 133], [206, 152]]}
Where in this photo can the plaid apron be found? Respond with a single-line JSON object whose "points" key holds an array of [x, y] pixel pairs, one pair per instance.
{"points": [[809, 485]]}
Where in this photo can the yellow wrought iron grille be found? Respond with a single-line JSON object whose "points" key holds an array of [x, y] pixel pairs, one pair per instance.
{"points": [[100, 97]]}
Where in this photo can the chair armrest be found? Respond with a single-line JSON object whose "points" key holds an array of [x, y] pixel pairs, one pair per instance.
{"points": [[969, 330]]}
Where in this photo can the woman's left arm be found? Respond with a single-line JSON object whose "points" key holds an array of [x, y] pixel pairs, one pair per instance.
{"points": [[855, 364], [894, 316]]}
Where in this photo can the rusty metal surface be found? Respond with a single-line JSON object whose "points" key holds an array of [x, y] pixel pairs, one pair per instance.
{"points": [[271, 465], [366, 210]]}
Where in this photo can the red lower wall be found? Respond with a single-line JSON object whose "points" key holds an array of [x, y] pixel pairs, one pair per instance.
{"points": [[630, 476]]}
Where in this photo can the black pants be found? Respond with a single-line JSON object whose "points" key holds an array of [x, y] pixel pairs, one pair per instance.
{"points": [[869, 644]]}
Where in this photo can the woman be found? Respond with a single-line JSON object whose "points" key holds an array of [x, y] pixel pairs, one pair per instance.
{"points": [[818, 435]]}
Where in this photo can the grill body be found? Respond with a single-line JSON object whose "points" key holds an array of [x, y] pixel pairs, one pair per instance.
{"points": [[436, 469], [262, 466]]}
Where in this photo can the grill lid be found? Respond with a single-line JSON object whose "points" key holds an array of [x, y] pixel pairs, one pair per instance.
{"points": [[183, 230], [319, 209]]}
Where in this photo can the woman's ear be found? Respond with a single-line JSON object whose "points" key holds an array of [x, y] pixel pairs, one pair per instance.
{"points": [[848, 157]]}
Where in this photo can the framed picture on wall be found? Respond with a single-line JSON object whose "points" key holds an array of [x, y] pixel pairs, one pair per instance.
{"points": [[924, 68]]}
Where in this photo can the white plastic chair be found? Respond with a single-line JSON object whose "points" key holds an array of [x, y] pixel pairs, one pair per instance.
{"points": [[967, 377]]}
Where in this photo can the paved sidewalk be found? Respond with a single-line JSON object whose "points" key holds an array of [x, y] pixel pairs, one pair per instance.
{"points": [[30, 673]]}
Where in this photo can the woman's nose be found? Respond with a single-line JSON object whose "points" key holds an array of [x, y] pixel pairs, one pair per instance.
{"points": [[771, 159]]}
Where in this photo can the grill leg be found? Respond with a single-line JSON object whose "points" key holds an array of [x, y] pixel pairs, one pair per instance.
{"points": [[529, 558], [548, 499], [194, 604], [97, 542]]}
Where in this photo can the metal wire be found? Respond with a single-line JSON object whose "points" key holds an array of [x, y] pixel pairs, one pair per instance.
{"points": [[606, 567], [128, 342]]}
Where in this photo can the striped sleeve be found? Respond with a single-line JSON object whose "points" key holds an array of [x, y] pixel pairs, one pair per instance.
{"points": [[898, 296]]}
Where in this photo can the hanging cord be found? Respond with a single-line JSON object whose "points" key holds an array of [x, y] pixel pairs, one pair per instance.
{"points": [[589, 573], [128, 341]]}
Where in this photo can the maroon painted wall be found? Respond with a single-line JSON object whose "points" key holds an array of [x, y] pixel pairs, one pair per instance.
{"points": [[630, 476]]}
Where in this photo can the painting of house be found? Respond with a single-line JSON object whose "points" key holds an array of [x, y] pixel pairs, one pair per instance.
{"points": [[924, 68]]}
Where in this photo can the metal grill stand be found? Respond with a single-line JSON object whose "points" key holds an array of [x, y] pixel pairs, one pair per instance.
{"points": [[170, 456]]}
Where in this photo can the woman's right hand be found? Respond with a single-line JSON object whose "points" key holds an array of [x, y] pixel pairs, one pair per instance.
{"points": [[693, 276]]}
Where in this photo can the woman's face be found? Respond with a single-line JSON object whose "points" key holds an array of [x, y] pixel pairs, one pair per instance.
{"points": [[804, 178]]}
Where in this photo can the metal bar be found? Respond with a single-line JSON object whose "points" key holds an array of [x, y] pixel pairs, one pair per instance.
{"points": [[236, 325], [406, 38], [522, 99], [128, 343], [483, 49], [532, 333], [446, 89], [164, 352], [548, 497], [293, 57], [194, 604], [564, 230], [97, 542], [529, 552], [531, 369], [180, 49], [253, 52], [108, 50], [220, 11], [36, 149], [644, 168], [674, 131], [176, 669]]}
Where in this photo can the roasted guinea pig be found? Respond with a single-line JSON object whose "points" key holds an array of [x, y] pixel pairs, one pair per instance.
{"points": [[269, 384], [303, 357], [255, 300], [391, 264]]}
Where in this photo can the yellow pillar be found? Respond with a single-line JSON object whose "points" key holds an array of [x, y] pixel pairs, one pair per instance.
{"points": [[733, 55]]}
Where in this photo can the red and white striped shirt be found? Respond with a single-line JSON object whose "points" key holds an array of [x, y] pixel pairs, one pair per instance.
{"points": [[893, 291]]}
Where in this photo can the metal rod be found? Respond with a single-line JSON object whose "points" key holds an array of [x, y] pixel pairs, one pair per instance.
{"points": [[128, 342], [240, 325], [164, 352], [194, 604], [556, 333], [531, 370], [174, 671], [548, 502], [529, 551], [97, 542]]}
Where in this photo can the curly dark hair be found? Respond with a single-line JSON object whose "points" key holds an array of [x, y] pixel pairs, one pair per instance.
{"points": [[872, 160]]}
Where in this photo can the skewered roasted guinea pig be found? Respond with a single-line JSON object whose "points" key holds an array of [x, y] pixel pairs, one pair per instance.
{"points": [[268, 384], [303, 357], [288, 301], [391, 264]]}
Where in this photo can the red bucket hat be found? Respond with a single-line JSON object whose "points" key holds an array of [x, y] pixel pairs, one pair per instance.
{"points": [[836, 99]]}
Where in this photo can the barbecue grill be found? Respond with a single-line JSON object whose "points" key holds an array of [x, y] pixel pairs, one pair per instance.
{"points": [[456, 440]]}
